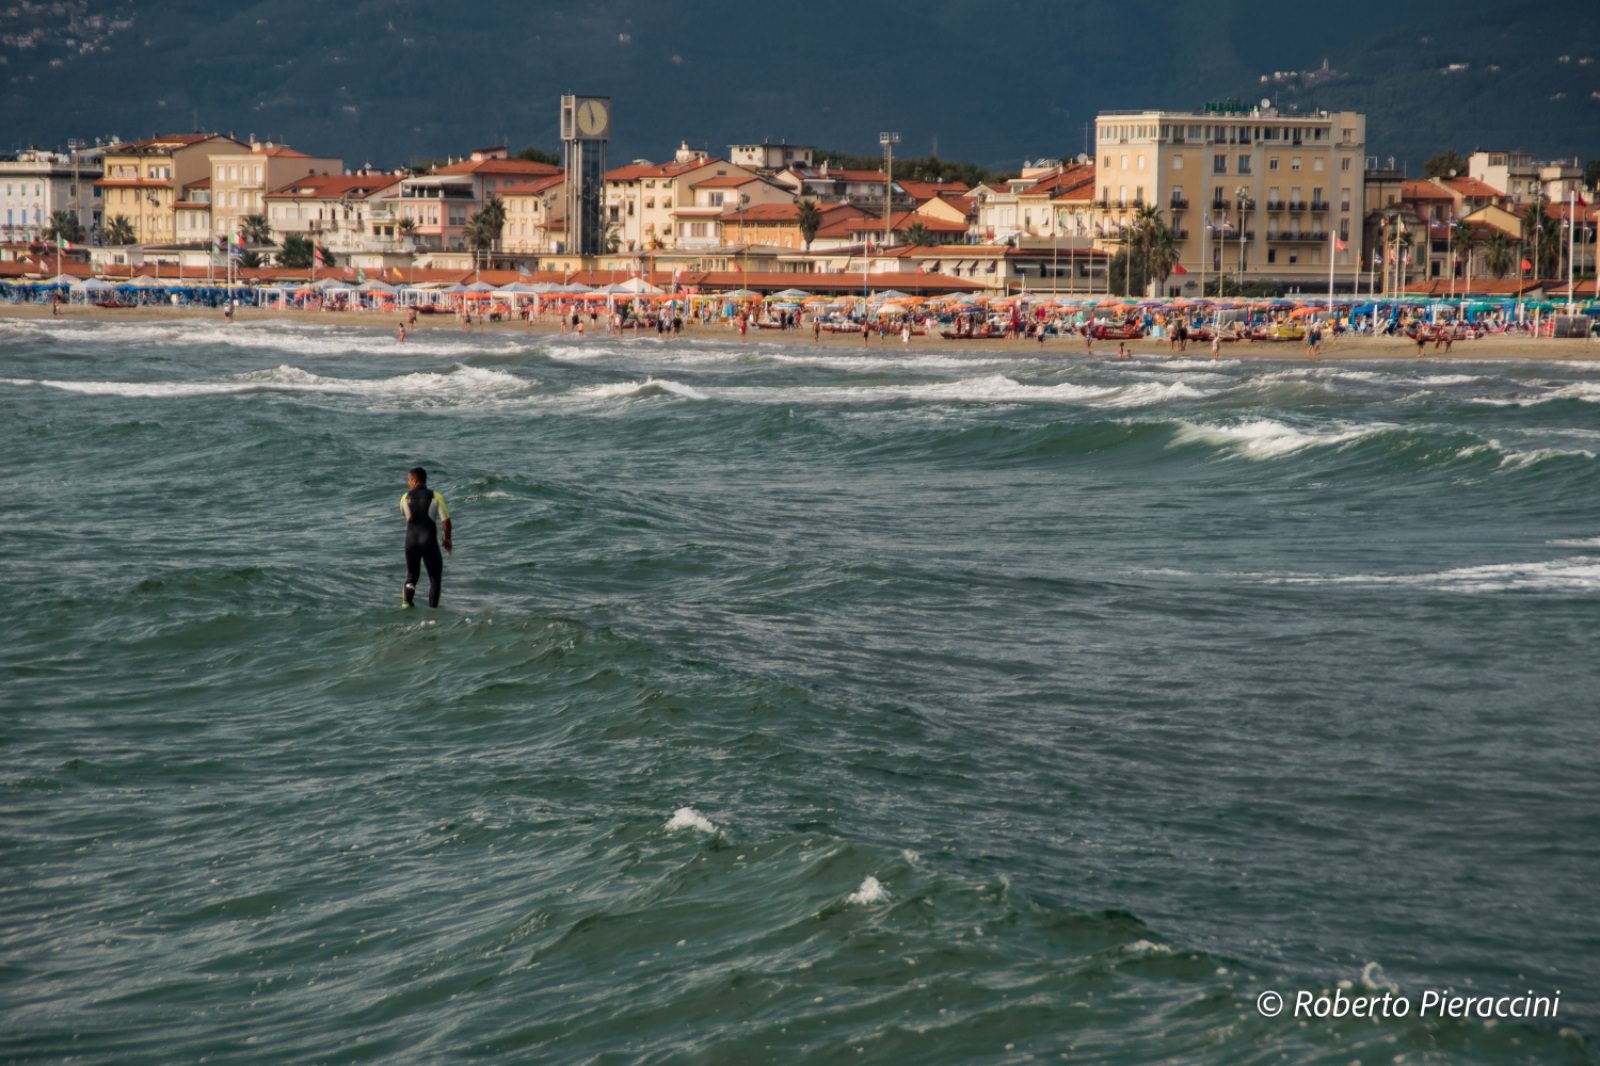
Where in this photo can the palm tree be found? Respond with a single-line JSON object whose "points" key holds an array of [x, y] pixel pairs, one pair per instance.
{"points": [[64, 226], [1497, 254], [119, 230], [1161, 251], [406, 227], [254, 229], [917, 235], [809, 219], [1541, 235]]}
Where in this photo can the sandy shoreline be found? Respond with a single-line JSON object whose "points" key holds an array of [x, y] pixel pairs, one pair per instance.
{"points": [[1343, 349]]}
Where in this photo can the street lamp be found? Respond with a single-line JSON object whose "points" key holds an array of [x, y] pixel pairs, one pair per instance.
{"points": [[744, 244], [1242, 198], [888, 140]]}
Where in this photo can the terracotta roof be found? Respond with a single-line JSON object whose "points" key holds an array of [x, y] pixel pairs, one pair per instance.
{"points": [[927, 190], [524, 167], [904, 220], [763, 213], [333, 186], [635, 171], [162, 142], [203, 183], [533, 188], [726, 181], [1423, 190], [1471, 187]]}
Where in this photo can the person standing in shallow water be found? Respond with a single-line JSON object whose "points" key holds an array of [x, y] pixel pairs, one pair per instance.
{"points": [[426, 513]]}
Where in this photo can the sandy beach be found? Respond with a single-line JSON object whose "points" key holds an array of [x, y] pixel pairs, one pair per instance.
{"points": [[1344, 348]]}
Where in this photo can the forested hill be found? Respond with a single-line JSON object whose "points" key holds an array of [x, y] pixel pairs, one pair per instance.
{"points": [[993, 81]]}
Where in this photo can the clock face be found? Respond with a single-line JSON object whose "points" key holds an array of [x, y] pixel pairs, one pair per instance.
{"points": [[592, 118]]}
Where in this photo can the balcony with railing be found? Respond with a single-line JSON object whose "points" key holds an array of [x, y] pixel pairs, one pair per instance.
{"points": [[1319, 205], [1275, 205], [1178, 203], [1297, 205], [1297, 236]]}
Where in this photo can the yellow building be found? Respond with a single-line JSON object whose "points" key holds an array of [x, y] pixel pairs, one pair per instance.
{"points": [[532, 208], [142, 180], [1253, 193], [643, 201]]}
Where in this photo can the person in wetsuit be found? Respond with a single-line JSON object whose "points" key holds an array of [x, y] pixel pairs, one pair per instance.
{"points": [[425, 512]]}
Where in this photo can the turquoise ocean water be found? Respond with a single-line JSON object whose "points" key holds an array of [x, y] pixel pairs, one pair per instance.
{"points": [[788, 704]]}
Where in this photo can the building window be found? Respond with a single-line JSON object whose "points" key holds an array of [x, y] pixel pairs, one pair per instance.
{"points": [[1272, 255], [1316, 164], [1141, 160], [1344, 164], [1177, 162], [1272, 164], [1294, 257], [1294, 164], [1244, 164], [1219, 164], [1124, 160]]}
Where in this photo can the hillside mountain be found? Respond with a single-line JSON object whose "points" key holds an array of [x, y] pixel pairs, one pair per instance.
{"points": [[992, 81]]}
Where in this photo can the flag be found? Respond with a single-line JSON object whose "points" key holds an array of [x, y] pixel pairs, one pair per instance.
{"points": [[361, 276], [64, 245], [1377, 258], [1177, 268], [1338, 245], [1527, 265], [236, 246], [320, 255]]}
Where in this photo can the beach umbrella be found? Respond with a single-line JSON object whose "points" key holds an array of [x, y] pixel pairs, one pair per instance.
{"points": [[375, 286], [789, 294], [453, 290], [478, 286]]}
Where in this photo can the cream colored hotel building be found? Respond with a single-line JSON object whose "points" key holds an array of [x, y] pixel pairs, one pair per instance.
{"points": [[1286, 180]]}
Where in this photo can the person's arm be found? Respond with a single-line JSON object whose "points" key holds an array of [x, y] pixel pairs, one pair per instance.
{"points": [[444, 521]]}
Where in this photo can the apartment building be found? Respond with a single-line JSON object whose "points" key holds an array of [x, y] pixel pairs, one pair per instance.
{"points": [[438, 204], [346, 213], [34, 184], [1520, 176], [142, 180], [1250, 191], [241, 179]]}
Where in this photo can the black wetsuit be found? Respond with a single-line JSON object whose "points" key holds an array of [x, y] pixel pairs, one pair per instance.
{"points": [[422, 545]]}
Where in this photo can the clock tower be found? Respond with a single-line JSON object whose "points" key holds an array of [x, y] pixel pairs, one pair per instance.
{"points": [[585, 129]]}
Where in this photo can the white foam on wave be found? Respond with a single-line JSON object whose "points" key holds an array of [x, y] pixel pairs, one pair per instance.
{"points": [[1184, 363], [1579, 573], [1577, 542], [1265, 438], [994, 388], [689, 818], [1587, 391], [1521, 460], [871, 891], [293, 338], [457, 383], [630, 390]]}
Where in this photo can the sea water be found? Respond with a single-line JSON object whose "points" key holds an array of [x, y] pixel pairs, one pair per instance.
{"points": [[789, 704]]}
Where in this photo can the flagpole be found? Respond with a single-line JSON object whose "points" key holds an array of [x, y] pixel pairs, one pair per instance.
{"points": [[1572, 228], [1333, 248]]}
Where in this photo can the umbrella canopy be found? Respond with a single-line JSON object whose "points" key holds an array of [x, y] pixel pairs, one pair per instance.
{"points": [[517, 288], [891, 294], [789, 294], [740, 294], [97, 285], [636, 287], [375, 286], [478, 286], [453, 290]]}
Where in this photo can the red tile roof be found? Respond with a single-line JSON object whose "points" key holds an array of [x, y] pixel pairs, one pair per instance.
{"points": [[1423, 190], [635, 171], [507, 167], [333, 186], [726, 181], [1472, 187], [533, 188], [923, 191]]}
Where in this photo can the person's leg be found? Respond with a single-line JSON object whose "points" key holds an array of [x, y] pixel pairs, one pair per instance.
{"points": [[434, 561], [413, 571]]}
